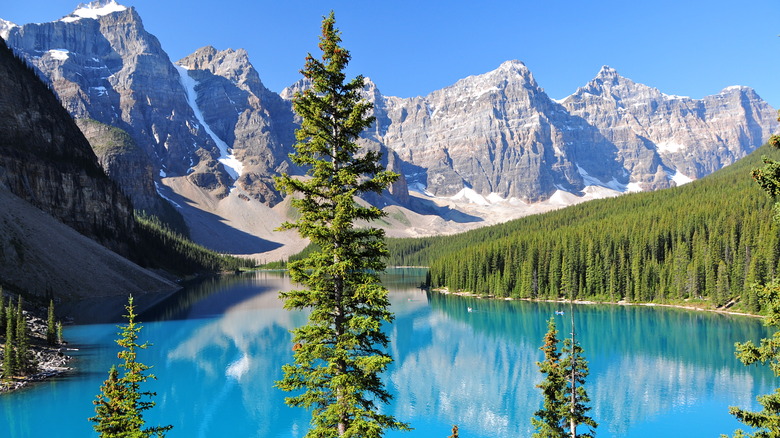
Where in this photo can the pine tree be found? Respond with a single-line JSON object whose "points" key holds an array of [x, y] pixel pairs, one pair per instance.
{"points": [[575, 369], [9, 352], [340, 353], [24, 362], [51, 326], [766, 421], [564, 405], [548, 421], [111, 409], [2, 312], [120, 405]]}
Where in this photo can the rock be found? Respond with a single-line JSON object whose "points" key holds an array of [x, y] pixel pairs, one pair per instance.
{"points": [[46, 161]]}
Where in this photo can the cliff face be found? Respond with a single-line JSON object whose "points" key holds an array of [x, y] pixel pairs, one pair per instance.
{"points": [[57, 203], [658, 134], [111, 70], [128, 166], [496, 133], [45, 160], [254, 123]]}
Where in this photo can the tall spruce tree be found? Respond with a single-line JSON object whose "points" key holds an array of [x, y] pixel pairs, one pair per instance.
{"points": [[341, 352], [120, 405], [51, 326], [9, 352], [24, 360], [2, 312], [575, 370], [564, 406], [766, 421], [548, 421]]}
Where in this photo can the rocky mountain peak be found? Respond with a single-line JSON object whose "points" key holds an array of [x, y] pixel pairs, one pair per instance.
{"points": [[509, 75], [610, 86], [233, 65], [298, 87], [5, 28], [94, 10], [514, 66], [608, 77]]}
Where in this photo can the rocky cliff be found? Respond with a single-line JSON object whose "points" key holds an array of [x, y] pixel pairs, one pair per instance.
{"points": [[51, 186], [208, 121], [660, 137], [496, 133], [129, 166], [45, 160], [106, 67], [255, 124]]}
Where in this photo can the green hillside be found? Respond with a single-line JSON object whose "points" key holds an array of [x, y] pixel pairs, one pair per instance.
{"points": [[709, 240]]}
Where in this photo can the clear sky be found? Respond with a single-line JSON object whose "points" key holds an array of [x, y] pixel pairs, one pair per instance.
{"points": [[413, 47]]}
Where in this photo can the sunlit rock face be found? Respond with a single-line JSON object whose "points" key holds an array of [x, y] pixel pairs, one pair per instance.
{"points": [[209, 117], [497, 133], [103, 65], [659, 135]]}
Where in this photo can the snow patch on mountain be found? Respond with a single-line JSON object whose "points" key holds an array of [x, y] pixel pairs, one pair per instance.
{"points": [[5, 28], [613, 184], [679, 178], [467, 194], [59, 54], [94, 10], [669, 146], [233, 167]]}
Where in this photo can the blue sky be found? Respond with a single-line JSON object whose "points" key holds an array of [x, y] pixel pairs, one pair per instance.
{"points": [[409, 48]]}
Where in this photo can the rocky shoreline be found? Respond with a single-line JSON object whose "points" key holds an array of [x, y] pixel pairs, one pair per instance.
{"points": [[51, 360], [723, 310]]}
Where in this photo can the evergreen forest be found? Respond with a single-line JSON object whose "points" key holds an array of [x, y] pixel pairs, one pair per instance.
{"points": [[706, 241]]}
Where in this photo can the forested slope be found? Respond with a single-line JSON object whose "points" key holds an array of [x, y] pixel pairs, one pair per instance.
{"points": [[709, 239]]}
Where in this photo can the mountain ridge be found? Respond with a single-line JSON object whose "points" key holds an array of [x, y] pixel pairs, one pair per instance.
{"points": [[492, 146]]}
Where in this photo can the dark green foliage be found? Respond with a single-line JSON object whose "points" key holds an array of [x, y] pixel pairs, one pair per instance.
{"points": [[51, 326], [575, 369], [25, 363], [565, 400], [339, 354], [9, 352], [709, 239], [120, 405], [169, 250], [548, 421], [2, 313], [767, 421]]}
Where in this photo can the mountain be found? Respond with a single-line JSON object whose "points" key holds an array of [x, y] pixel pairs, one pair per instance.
{"points": [[704, 244], [104, 66], [663, 138], [486, 149], [57, 201], [497, 133], [243, 117]]}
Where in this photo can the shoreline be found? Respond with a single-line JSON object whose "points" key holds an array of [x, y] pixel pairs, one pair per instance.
{"points": [[51, 360], [446, 291]]}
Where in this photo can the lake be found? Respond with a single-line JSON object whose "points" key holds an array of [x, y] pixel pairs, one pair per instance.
{"points": [[219, 345]]}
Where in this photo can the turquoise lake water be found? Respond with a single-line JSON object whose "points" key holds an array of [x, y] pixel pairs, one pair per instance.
{"points": [[219, 345]]}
